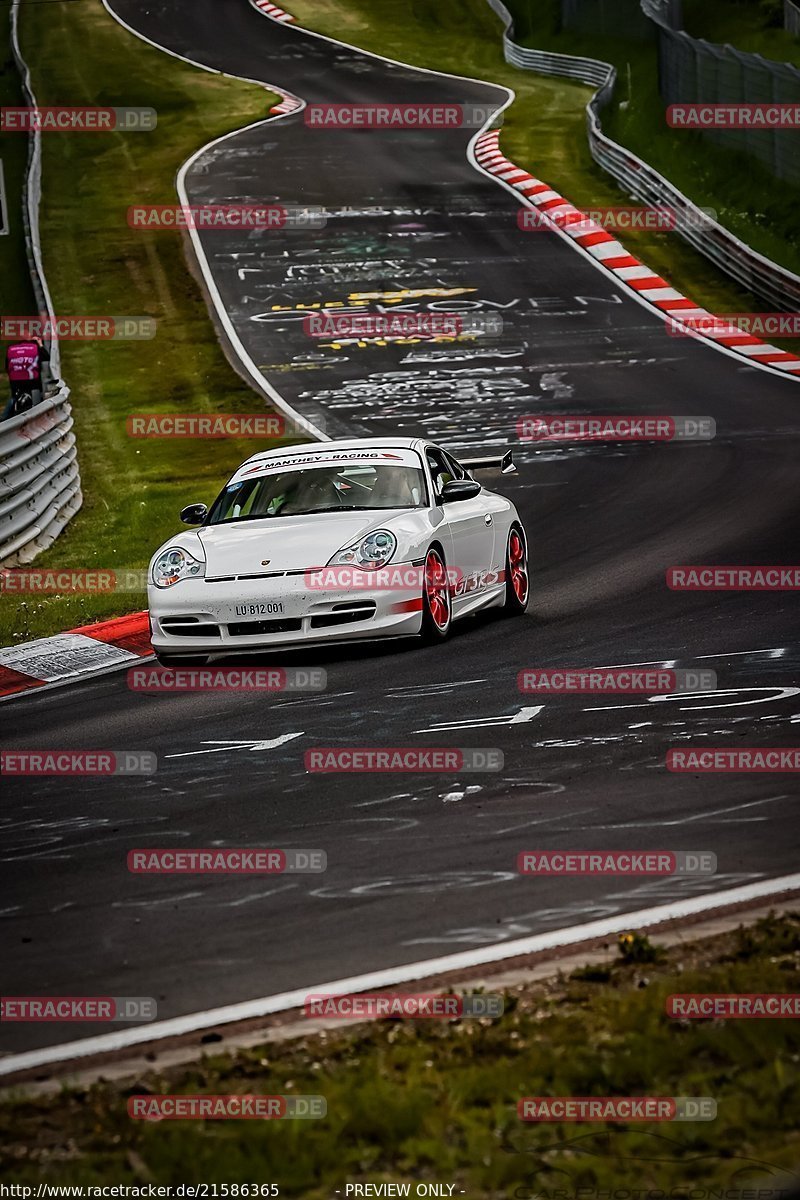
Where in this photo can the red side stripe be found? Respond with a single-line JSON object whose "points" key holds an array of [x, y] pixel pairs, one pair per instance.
{"points": [[408, 605]]}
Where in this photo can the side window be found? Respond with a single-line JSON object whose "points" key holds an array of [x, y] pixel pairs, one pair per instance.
{"points": [[440, 470], [456, 470]]}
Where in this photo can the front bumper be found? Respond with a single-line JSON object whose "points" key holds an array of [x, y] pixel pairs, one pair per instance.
{"points": [[199, 616]]}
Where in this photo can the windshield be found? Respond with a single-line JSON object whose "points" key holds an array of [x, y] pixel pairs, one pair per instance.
{"points": [[329, 488]]}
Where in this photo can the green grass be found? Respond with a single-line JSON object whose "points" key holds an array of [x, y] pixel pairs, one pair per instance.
{"points": [[16, 292], [96, 265], [759, 210], [752, 25], [436, 1102]]}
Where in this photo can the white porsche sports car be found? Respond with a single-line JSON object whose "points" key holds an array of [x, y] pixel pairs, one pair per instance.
{"points": [[358, 539]]}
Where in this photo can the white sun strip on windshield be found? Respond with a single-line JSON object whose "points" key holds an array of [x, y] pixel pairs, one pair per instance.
{"points": [[322, 458]]}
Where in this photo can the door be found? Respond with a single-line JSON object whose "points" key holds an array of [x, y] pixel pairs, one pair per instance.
{"points": [[472, 531]]}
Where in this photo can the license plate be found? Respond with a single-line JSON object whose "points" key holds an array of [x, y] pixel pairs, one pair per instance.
{"points": [[264, 608]]}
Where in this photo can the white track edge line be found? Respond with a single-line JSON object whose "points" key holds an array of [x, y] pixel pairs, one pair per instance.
{"points": [[110, 1043], [261, 382]]}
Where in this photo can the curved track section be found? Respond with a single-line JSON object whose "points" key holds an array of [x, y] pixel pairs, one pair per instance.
{"points": [[420, 867]]}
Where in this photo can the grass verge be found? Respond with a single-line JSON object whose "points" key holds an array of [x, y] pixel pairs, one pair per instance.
{"points": [[97, 265], [749, 201], [756, 27], [436, 1101]]}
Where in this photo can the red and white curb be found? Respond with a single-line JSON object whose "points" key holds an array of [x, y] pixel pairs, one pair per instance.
{"points": [[272, 11], [288, 104], [610, 254], [84, 651]]}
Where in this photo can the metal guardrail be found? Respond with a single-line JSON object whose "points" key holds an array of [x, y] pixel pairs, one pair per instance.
{"points": [[39, 484], [665, 12], [753, 271], [40, 487], [791, 17]]}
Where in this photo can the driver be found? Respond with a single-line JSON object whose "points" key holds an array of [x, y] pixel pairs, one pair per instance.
{"points": [[308, 491], [392, 489]]}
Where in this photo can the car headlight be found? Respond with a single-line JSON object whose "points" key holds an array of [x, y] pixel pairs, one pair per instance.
{"points": [[371, 552], [174, 565]]}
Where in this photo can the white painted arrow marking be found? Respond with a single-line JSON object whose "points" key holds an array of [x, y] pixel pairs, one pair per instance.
{"points": [[271, 744], [518, 718]]}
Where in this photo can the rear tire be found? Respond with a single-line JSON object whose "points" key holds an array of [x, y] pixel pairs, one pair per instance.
{"points": [[518, 584], [437, 603], [181, 660]]}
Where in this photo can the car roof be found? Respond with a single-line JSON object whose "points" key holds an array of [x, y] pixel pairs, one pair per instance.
{"points": [[384, 443]]}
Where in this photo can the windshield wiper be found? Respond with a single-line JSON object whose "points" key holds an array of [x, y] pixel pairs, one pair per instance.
{"points": [[310, 512]]}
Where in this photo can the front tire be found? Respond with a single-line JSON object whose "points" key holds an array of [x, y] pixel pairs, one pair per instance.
{"points": [[518, 584], [437, 604]]}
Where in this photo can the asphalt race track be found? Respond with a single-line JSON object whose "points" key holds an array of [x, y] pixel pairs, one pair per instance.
{"points": [[419, 866]]}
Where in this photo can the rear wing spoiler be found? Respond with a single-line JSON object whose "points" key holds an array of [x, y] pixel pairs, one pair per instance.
{"points": [[501, 462]]}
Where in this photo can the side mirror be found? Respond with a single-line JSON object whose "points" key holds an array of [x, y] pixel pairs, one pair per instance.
{"points": [[194, 514], [460, 489]]}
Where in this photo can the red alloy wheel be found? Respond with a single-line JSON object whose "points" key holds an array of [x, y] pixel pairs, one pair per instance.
{"points": [[518, 565], [437, 590]]}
